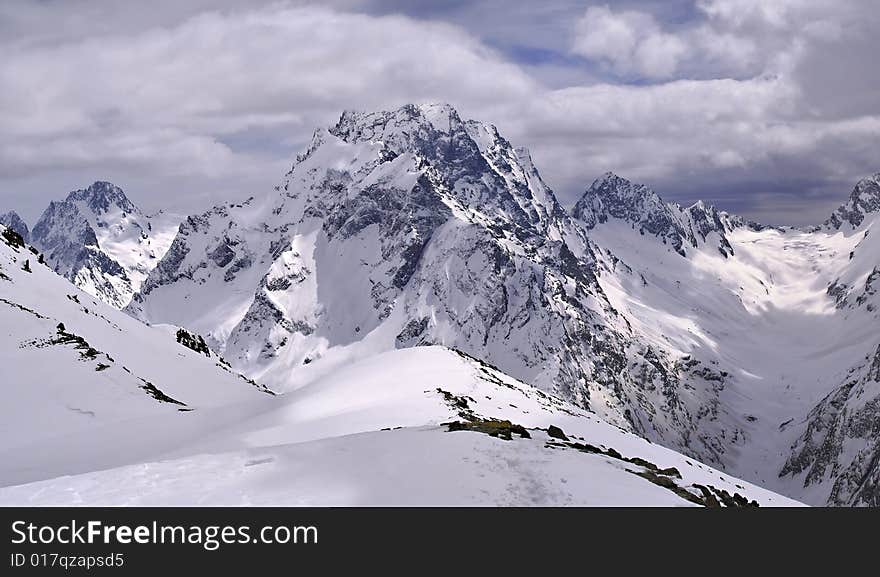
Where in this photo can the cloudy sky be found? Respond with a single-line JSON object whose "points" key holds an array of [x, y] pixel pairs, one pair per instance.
{"points": [[768, 108]]}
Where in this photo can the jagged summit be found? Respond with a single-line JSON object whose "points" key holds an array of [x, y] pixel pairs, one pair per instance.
{"points": [[101, 241], [461, 164], [863, 200], [15, 222], [614, 197], [356, 125], [101, 196], [385, 223], [433, 132]]}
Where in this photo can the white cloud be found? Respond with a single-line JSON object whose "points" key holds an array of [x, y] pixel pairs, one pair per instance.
{"points": [[204, 106], [734, 38], [690, 138], [169, 95], [773, 13], [630, 42]]}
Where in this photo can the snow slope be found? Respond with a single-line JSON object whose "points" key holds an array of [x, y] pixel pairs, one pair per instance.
{"points": [[407, 467], [372, 434], [87, 387]]}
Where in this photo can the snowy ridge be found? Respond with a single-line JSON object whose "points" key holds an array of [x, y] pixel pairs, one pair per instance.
{"points": [[863, 202], [88, 387]]}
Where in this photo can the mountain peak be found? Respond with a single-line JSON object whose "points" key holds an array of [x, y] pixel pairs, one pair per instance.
{"points": [[98, 239], [101, 196], [398, 128], [610, 178], [13, 221], [863, 200], [613, 196], [616, 186], [441, 115]]}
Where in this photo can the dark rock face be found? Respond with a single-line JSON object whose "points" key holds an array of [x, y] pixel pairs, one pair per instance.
{"points": [[13, 221], [100, 196], [411, 335], [613, 196], [68, 231], [169, 267], [222, 255], [556, 433], [65, 237], [12, 238], [848, 418], [194, 342], [870, 289], [449, 147], [173, 267], [707, 219], [864, 199], [858, 295]]}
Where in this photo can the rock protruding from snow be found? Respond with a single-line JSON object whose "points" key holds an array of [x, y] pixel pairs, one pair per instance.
{"points": [[102, 242], [103, 197], [863, 201], [15, 222]]}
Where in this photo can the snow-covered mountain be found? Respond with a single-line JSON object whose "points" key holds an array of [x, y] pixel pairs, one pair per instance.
{"points": [[102, 242], [751, 348], [101, 409], [788, 320], [613, 197], [414, 227], [863, 202]]}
